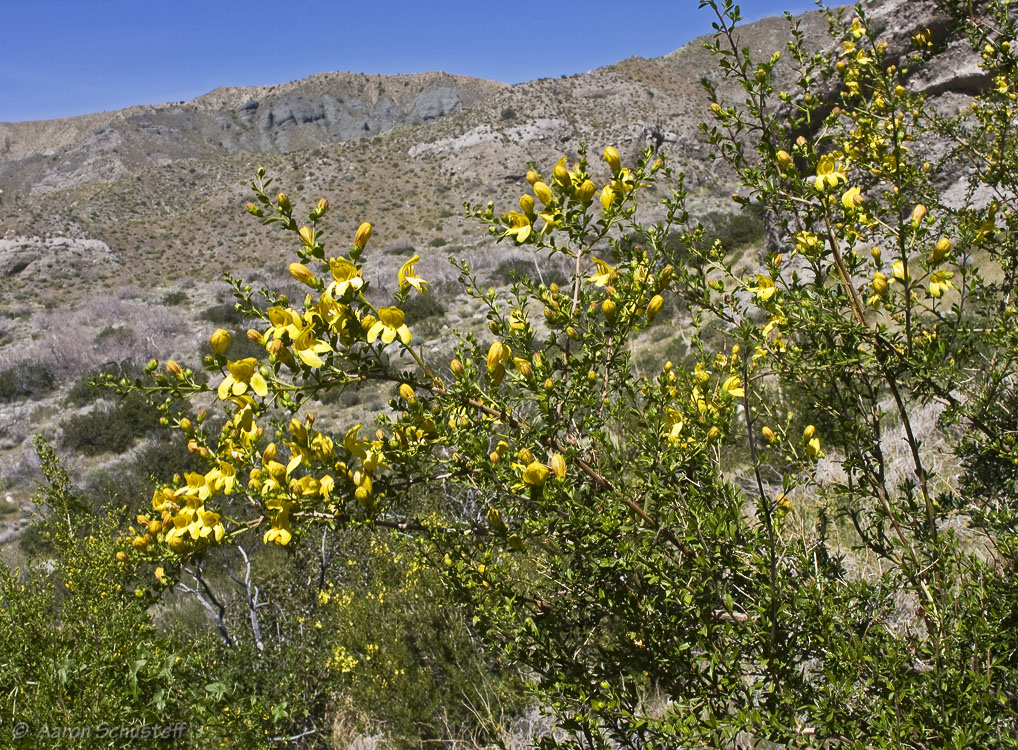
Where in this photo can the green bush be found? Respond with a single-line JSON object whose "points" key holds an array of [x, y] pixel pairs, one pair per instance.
{"points": [[26, 380], [110, 426]]}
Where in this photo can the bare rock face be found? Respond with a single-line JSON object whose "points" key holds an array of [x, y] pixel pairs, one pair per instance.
{"points": [[41, 157], [39, 256]]}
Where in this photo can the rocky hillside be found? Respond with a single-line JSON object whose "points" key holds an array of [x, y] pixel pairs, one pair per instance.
{"points": [[41, 157]]}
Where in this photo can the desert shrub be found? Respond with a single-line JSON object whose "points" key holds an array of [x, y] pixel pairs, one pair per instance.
{"points": [[656, 548], [26, 380], [223, 313], [110, 426], [421, 308], [175, 297]]}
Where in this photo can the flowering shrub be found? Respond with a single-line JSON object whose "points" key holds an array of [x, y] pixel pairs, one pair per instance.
{"points": [[726, 548]]}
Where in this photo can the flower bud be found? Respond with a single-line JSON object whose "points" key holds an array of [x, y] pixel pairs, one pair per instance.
{"points": [[254, 335], [611, 156], [608, 308], [941, 249], [549, 385], [254, 209], [558, 466], [918, 214], [495, 355], [543, 193], [407, 393], [586, 191], [303, 274], [654, 306], [187, 425], [607, 197], [495, 520], [769, 434], [665, 277], [784, 160], [362, 236], [457, 368], [274, 347], [307, 235], [875, 252], [173, 368], [532, 176], [219, 341], [284, 203], [527, 203], [807, 434], [561, 172], [322, 207]]}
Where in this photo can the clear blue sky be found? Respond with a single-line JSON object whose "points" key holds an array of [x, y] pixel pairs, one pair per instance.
{"points": [[69, 57]]}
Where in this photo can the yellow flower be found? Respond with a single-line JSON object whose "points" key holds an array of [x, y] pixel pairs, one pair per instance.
{"points": [[604, 274], [813, 448], [536, 474], [764, 288], [346, 276], [852, 198], [733, 387], [279, 534], [408, 276], [900, 271], [243, 373], [939, 283], [283, 320], [829, 172], [520, 226], [389, 326], [308, 348], [807, 243]]}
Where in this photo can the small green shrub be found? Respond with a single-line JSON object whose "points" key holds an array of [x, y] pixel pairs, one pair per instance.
{"points": [[26, 380], [176, 297], [110, 427]]}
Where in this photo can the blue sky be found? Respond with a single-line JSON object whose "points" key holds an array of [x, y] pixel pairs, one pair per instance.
{"points": [[70, 57]]}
